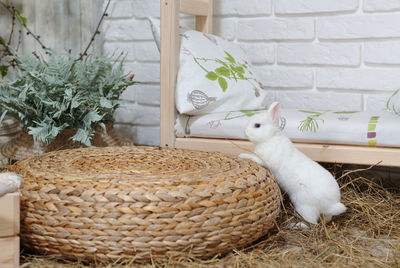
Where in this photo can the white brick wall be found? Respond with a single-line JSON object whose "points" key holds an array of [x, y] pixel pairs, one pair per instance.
{"points": [[314, 6], [126, 29], [273, 28], [382, 52], [239, 7], [381, 5], [314, 54], [359, 26], [319, 54]]}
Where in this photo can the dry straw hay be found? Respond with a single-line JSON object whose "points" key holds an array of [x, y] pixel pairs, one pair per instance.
{"points": [[367, 235]]}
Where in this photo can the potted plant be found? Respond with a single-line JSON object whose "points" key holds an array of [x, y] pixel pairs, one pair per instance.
{"points": [[63, 102]]}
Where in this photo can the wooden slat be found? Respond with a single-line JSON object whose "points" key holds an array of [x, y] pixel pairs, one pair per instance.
{"points": [[62, 25], [49, 23], [72, 24], [9, 252], [9, 214], [346, 154], [214, 145], [28, 44], [169, 67], [90, 14], [205, 23], [169, 58], [351, 154], [195, 7]]}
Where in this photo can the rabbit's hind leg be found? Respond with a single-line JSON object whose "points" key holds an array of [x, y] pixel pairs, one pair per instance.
{"points": [[308, 213], [328, 218]]}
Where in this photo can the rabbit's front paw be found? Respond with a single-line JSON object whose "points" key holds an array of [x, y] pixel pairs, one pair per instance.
{"points": [[252, 157], [245, 156]]}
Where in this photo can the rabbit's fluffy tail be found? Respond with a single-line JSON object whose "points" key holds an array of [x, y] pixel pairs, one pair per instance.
{"points": [[336, 209]]}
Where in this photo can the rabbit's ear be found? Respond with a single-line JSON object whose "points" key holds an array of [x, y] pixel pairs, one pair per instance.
{"points": [[274, 111]]}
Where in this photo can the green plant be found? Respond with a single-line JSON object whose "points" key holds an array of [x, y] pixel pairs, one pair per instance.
{"points": [[311, 122], [61, 92]]}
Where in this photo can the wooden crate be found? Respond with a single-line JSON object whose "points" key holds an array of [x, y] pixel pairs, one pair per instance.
{"points": [[9, 252], [9, 230], [9, 215]]}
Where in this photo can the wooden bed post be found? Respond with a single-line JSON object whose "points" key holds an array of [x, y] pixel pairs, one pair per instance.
{"points": [[169, 52], [205, 23], [203, 10], [169, 60]]}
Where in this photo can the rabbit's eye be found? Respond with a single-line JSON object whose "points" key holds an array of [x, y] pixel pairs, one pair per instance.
{"points": [[257, 125]]}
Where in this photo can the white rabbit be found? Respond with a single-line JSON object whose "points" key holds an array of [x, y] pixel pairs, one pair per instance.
{"points": [[311, 188], [9, 182]]}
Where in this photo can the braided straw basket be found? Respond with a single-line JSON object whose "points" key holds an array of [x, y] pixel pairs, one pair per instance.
{"points": [[23, 145], [143, 202]]}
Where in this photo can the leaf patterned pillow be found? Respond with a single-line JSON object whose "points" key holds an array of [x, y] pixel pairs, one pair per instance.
{"points": [[215, 76]]}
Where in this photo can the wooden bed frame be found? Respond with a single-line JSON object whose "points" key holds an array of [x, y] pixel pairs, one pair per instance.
{"points": [[169, 50]]}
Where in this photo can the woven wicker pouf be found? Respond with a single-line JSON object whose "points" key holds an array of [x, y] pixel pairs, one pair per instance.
{"points": [[124, 202]]}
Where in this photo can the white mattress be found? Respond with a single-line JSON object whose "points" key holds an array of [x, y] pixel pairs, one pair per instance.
{"points": [[334, 127]]}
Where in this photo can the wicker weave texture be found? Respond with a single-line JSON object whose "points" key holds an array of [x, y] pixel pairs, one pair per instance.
{"points": [[142, 202]]}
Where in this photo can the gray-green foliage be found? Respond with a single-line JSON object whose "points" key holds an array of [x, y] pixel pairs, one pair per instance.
{"points": [[51, 95]]}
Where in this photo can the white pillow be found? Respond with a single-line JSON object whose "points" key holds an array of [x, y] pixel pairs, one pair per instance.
{"points": [[215, 76], [393, 103], [155, 30]]}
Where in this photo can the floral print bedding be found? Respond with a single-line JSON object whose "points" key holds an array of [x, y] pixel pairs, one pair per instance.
{"points": [[333, 127], [393, 103], [214, 76]]}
